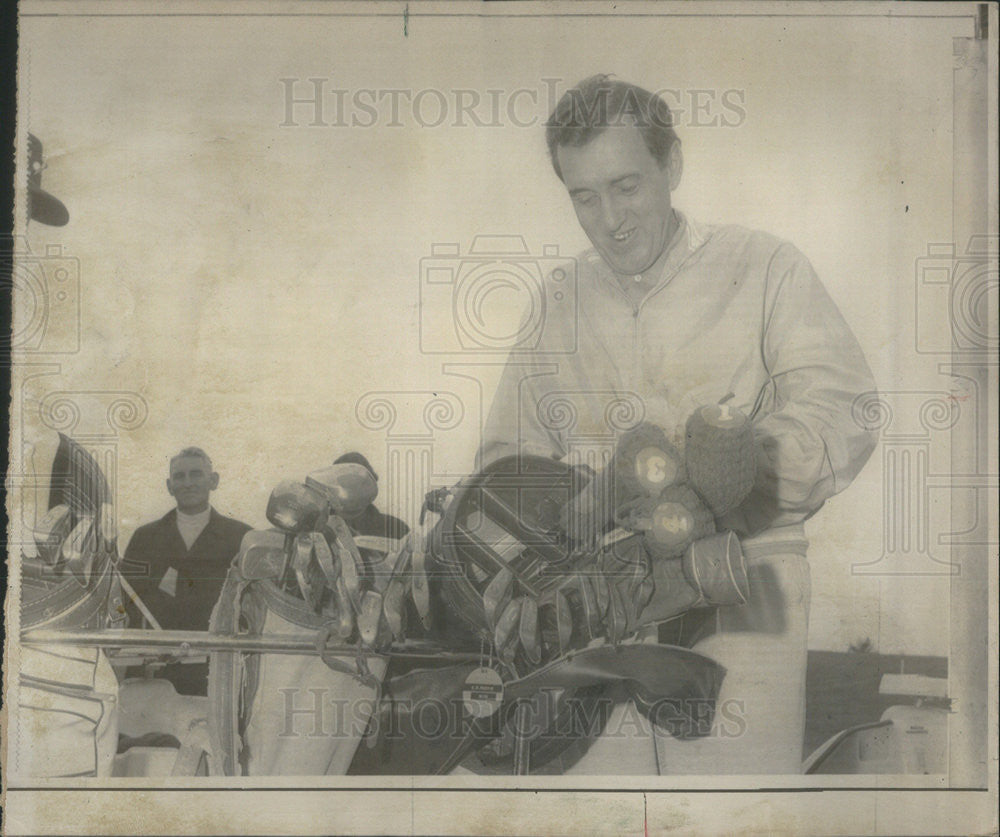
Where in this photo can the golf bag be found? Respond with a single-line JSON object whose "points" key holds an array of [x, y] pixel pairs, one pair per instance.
{"points": [[66, 696]]}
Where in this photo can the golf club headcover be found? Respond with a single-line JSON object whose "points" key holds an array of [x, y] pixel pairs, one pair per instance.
{"points": [[720, 456], [645, 462], [670, 522]]}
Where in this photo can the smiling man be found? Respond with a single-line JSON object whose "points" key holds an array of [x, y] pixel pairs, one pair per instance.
{"points": [[671, 315], [621, 194], [178, 563]]}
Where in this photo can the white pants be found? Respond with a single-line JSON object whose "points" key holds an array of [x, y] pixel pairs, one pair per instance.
{"points": [[759, 721]]}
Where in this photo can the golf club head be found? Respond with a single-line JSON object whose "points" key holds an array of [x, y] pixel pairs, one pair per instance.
{"points": [[79, 549], [262, 555], [295, 508], [302, 564], [50, 532], [349, 488]]}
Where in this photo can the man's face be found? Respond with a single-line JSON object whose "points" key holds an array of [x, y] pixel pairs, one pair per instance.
{"points": [[191, 481], [621, 195]]}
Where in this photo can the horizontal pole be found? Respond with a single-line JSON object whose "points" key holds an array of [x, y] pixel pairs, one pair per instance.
{"points": [[181, 643]]}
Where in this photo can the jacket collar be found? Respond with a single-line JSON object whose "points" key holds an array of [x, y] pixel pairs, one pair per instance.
{"points": [[169, 524], [687, 239], [171, 516]]}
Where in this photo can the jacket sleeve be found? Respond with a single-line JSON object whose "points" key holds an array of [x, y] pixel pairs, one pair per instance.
{"points": [[809, 444], [140, 571], [513, 424], [520, 419]]}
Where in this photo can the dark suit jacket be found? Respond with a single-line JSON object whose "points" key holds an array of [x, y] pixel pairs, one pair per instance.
{"points": [[158, 547]]}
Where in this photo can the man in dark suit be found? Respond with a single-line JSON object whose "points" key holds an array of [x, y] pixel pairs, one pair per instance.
{"points": [[178, 563]]}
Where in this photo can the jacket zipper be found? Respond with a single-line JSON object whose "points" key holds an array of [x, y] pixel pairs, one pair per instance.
{"points": [[637, 308]]}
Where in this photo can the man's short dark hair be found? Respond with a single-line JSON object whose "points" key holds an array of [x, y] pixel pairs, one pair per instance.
{"points": [[601, 102], [194, 452]]}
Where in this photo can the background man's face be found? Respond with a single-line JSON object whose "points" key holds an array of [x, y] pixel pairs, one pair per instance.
{"points": [[621, 195], [190, 483]]}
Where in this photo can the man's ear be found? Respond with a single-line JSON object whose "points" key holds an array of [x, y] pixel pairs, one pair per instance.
{"points": [[213, 482], [675, 164], [170, 488]]}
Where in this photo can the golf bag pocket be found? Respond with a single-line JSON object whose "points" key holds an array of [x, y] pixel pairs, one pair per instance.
{"points": [[66, 714], [299, 716]]}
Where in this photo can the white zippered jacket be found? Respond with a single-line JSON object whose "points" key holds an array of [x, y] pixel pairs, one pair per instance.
{"points": [[735, 313]]}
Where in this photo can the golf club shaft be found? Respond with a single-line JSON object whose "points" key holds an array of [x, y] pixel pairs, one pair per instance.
{"points": [[183, 642]]}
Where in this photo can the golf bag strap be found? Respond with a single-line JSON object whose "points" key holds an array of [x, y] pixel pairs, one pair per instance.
{"points": [[225, 679], [195, 747], [377, 544], [288, 607], [64, 603], [674, 687]]}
